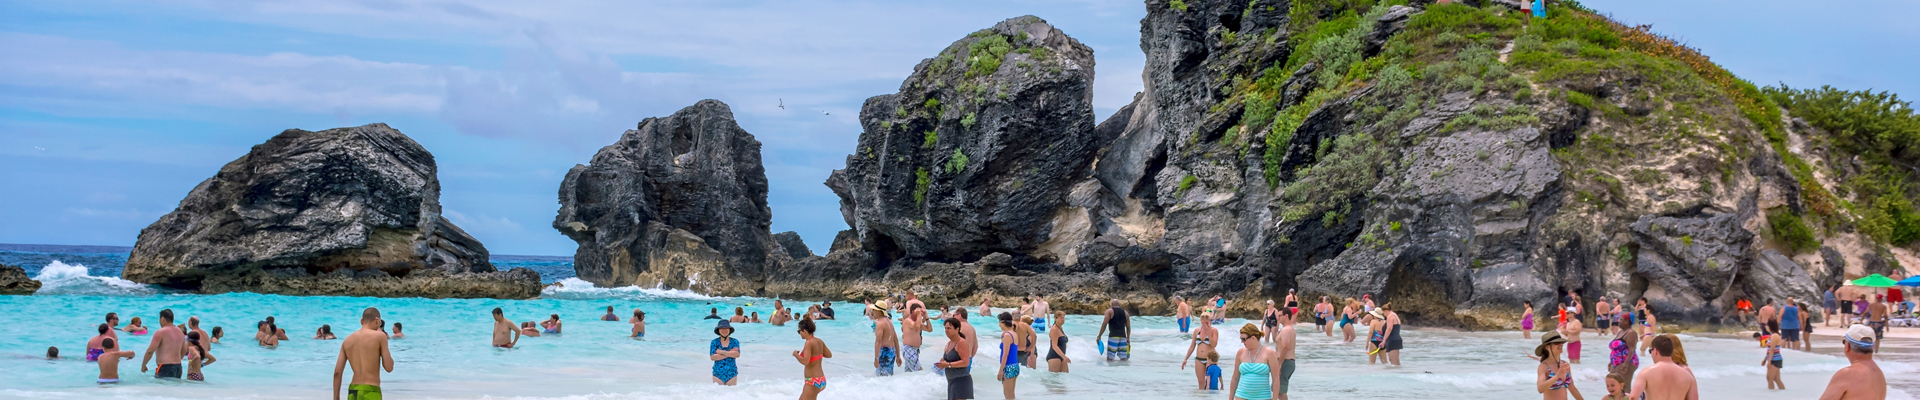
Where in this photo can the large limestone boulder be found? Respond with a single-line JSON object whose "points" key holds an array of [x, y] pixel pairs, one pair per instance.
{"points": [[14, 281], [679, 201], [361, 203]]}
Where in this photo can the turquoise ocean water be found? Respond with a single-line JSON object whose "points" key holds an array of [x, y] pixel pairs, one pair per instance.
{"points": [[445, 354]]}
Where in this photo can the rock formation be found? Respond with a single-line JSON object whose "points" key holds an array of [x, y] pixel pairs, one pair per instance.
{"points": [[345, 211], [680, 202], [14, 281]]}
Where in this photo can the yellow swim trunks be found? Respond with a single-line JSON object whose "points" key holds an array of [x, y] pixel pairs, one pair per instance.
{"points": [[363, 392]]}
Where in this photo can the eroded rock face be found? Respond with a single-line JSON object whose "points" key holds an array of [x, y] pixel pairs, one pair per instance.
{"points": [[345, 202], [14, 281], [978, 151], [680, 201]]}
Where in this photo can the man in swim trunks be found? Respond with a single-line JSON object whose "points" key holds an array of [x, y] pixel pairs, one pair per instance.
{"points": [[886, 343], [1877, 319], [505, 335], [171, 343], [1182, 313], [1768, 323], [1665, 380], [911, 325], [1118, 331], [1603, 316], [109, 360], [1040, 312], [366, 350], [1284, 345], [193, 325], [1862, 377]]}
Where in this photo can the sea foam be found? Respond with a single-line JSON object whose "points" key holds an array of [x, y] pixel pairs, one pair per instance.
{"points": [[576, 289], [59, 278]]}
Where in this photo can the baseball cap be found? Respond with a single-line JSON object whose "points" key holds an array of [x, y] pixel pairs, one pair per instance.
{"points": [[1860, 335]]}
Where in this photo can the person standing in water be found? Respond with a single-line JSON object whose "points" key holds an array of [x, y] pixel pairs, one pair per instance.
{"points": [[1270, 318], [1202, 343], [1057, 344], [1665, 380], [1526, 320], [94, 346], [197, 357], [1376, 321], [1554, 378], [1321, 312], [505, 335], [1028, 340], [1772, 360], [809, 356], [171, 343], [396, 333], [1254, 365], [1293, 302], [1393, 343], [779, 317], [1790, 323], [1009, 354], [1862, 377], [1182, 314], [1603, 316], [1283, 347], [1041, 309], [1117, 329], [1572, 333], [886, 343], [1348, 316], [912, 324], [956, 361], [366, 351], [1647, 325], [1622, 359], [724, 350], [109, 361], [1828, 302], [985, 306], [639, 322], [1769, 319], [610, 317]]}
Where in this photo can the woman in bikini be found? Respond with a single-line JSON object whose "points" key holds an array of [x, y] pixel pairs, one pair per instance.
{"points": [[639, 322], [1772, 360], [1202, 343], [957, 362], [1009, 355], [1057, 340], [197, 357], [1377, 335], [1554, 378], [809, 356]]}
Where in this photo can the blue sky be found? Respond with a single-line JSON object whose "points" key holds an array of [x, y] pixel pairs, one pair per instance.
{"points": [[111, 111]]}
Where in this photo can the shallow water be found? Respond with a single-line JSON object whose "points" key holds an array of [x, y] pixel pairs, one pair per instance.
{"points": [[445, 354]]}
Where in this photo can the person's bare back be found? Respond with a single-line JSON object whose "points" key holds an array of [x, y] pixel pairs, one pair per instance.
{"points": [[366, 351], [1665, 381]]}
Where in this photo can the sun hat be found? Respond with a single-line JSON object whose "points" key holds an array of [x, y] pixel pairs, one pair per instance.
{"points": [[1377, 314], [723, 325], [1548, 339]]}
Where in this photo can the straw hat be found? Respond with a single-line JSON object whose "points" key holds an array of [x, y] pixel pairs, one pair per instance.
{"points": [[1549, 339]]}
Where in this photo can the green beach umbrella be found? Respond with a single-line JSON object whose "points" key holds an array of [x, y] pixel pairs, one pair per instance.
{"points": [[1874, 281]]}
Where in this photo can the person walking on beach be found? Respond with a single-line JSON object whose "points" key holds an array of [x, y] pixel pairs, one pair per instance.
{"points": [[1861, 378], [1665, 380], [809, 356], [366, 351], [639, 322], [505, 335], [1254, 365], [171, 343], [911, 325], [1057, 344], [109, 361], [197, 357], [956, 361], [1118, 331], [1554, 378], [1526, 320], [1827, 303], [1010, 338], [1321, 312], [886, 343], [1182, 313], [725, 349], [1202, 343], [1283, 347]]}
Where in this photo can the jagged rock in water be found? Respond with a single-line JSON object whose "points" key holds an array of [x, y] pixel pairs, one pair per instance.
{"points": [[1773, 276], [979, 150], [680, 202], [14, 281], [790, 241], [344, 211]]}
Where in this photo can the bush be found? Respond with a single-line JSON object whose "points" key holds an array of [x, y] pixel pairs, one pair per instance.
{"points": [[1788, 229], [985, 55], [957, 162], [931, 105], [1177, 5], [920, 183], [1185, 183], [1351, 166], [929, 139], [967, 121]]}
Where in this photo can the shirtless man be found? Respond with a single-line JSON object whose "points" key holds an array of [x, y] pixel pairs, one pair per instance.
{"points": [[1182, 314], [193, 325], [1664, 380], [886, 342], [109, 361], [912, 323], [1603, 316], [1862, 378], [1284, 345], [1572, 331], [366, 350], [505, 335], [171, 343], [1768, 323], [779, 317], [1041, 311], [1877, 319], [913, 299]]}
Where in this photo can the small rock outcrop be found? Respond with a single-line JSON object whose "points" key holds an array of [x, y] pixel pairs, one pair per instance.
{"points": [[344, 211], [791, 243], [14, 281], [680, 201]]}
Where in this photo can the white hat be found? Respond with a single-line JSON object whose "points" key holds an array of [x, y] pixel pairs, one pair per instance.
{"points": [[1860, 335]]}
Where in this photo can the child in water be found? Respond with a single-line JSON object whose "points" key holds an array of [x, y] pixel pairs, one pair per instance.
{"points": [[1616, 387], [1213, 370]]}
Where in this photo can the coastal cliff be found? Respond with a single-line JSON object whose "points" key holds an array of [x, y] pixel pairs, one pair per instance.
{"points": [[343, 212]]}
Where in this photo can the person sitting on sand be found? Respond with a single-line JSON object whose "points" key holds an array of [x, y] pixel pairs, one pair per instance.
{"points": [[109, 361], [135, 327], [610, 316], [552, 325], [504, 334], [324, 333], [396, 332], [639, 322]]}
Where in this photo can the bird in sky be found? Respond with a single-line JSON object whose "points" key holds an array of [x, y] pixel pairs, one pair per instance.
{"points": [[825, 113], [783, 103]]}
